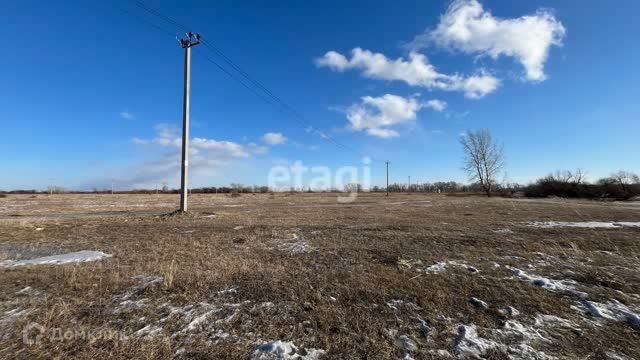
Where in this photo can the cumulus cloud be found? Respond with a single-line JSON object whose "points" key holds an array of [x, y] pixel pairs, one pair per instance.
{"points": [[376, 115], [468, 27], [127, 115], [273, 138], [415, 71]]}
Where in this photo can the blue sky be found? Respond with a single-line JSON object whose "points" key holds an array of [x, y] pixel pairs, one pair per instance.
{"points": [[92, 94]]}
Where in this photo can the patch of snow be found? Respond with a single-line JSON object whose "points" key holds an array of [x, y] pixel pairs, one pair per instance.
{"points": [[74, 257], [283, 350], [509, 311], [129, 305], [264, 305], [227, 291], [443, 265], [29, 291], [479, 303], [612, 310], [406, 344], [470, 344], [436, 268], [586, 224], [39, 229], [441, 354], [239, 227], [395, 304], [293, 243], [521, 332], [8, 320], [423, 326], [148, 331], [567, 286], [544, 320], [296, 247], [615, 356], [195, 323]]}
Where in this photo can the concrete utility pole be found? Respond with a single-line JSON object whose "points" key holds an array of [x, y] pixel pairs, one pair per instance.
{"points": [[386, 162], [409, 188], [187, 43]]}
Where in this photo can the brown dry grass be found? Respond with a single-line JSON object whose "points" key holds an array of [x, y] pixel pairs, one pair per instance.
{"points": [[363, 255]]}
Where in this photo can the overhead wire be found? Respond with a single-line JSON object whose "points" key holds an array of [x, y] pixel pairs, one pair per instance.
{"points": [[270, 97]]}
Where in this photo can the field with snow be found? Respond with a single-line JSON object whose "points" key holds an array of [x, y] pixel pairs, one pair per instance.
{"points": [[301, 276]]}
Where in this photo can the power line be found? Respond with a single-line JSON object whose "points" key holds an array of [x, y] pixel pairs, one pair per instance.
{"points": [[275, 100], [146, 22]]}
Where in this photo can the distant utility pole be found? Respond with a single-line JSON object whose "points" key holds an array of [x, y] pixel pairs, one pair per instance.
{"points": [[386, 162], [409, 188], [186, 43], [111, 186]]}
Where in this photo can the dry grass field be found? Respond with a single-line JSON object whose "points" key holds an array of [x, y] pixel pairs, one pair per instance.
{"points": [[301, 276]]}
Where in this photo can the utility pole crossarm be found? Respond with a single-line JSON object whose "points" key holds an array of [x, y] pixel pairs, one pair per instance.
{"points": [[186, 43]]}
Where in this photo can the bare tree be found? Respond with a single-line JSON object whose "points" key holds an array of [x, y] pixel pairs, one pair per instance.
{"points": [[483, 158], [625, 179]]}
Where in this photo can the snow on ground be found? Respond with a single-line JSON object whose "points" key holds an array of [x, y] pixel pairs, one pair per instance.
{"points": [[612, 310], [443, 265], [515, 338], [294, 243], [283, 350], [74, 257], [470, 344], [587, 224], [567, 286], [29, 291], [8, 319], [148, 331]]}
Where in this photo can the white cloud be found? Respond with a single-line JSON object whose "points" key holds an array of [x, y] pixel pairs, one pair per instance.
{"points": [[382, 133], [168, 136], [272, 138], [207, 158], [468, 27], [376, 115], [437, 105], [127, 115], [415, 71]]}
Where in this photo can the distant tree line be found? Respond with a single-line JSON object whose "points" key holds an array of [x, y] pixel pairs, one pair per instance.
{"points": [[621, 185]]}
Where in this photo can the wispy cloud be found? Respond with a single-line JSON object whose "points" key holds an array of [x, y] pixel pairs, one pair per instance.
{"points": [[127, 115], [437, 105], [207, 157]]}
